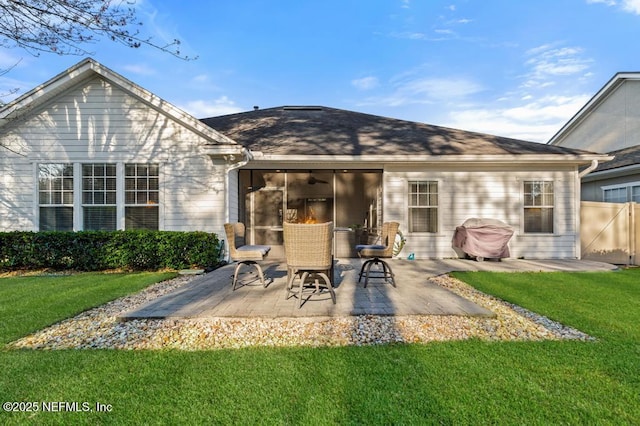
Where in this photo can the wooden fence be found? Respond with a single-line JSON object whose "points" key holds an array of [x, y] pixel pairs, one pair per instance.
{"points": [[610, 232]]}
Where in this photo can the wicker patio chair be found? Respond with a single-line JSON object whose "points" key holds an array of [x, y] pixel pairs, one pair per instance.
{"points": [[244, 254], [376, 252], [308, 253]]}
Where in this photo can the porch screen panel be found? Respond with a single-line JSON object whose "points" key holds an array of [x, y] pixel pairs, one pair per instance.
{"points": [[142, 196], [423, 206], [309, 196], [358, 199], [55, 197]]}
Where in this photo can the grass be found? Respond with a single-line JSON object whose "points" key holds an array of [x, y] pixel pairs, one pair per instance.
{"points": [[30, 303], [470, 382], [603, 304]]}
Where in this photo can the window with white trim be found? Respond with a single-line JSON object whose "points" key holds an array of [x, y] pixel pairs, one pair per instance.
{"points": [[538, 207], [621, 193], [423, 206], [109, 196], [142, 195], [615, 195], [55, 196], [99, 189]]}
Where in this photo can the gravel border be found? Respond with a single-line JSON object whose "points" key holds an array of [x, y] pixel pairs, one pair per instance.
{"points": [[99, 328]]}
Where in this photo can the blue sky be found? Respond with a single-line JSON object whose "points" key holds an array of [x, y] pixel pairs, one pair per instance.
{"points": [[506, 67]]}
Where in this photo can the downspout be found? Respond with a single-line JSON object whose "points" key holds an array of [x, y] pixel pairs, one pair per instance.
{"points": [[592, 167], [246, 157]]}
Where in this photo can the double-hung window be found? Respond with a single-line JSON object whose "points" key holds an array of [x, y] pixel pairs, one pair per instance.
{"points": [[98, 196], [538, 207], [99, 189], [141, 196], [55, 196], [423, 206]]}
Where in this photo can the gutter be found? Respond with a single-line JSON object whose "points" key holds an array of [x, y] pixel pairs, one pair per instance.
{"points": [[592, 167]]}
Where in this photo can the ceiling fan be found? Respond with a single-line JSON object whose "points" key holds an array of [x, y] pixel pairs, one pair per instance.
{"points": [[312, 180]]}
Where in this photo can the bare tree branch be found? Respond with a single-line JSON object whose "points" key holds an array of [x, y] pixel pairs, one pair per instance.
{"points": [[66, 27]]}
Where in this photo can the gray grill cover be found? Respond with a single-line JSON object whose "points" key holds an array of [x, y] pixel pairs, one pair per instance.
{"points": [[483, 238]]}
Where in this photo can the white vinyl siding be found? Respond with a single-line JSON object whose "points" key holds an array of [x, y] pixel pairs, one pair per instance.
{"points": [[614, 124], [97, 122], [484, 192]]}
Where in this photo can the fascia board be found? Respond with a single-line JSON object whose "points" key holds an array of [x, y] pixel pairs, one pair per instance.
{"points": [[611, 173], [492, 159]]}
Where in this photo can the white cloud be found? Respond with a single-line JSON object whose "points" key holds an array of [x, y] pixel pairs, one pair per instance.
{"points": [[201, 108], [409, 35], [536, 121], [607, 2], [407, 89], [200, 78], [631, 6], [548, 60], [365, 83], [139, 69], [437, 89], [7, 60]]}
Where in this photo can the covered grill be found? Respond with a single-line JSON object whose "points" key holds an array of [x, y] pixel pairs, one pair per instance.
{"points": [[483, 238]]}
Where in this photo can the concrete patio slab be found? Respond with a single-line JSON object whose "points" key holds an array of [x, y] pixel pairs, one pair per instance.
{"points": [[211, 295]]}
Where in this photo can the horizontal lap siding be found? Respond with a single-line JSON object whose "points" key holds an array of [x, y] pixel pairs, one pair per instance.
{"points": [[614, 124], [16, 199], [98, 122], [486, 194]]}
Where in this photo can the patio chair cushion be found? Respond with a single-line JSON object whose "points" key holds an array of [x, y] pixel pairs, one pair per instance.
{"points": [[370, 247], [259, 248]]}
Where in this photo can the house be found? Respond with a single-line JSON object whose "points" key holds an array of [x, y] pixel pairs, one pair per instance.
{"points": [[89, 149], [609, 122]]}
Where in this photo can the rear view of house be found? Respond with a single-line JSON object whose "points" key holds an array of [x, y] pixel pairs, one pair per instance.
{"points": [[91, 150]]}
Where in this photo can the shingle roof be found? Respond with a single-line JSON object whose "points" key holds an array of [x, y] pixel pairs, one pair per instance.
{"points": [[330, 131], [623, 157]]}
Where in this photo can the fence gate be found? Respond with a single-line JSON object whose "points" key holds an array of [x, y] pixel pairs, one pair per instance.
{"points": [[609, 232]]}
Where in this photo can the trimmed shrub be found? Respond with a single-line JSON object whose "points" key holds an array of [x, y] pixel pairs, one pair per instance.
{"points": [[100, 250]]}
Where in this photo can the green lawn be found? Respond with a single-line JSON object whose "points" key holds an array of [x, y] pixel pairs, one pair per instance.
{"points": [[469, 382]]}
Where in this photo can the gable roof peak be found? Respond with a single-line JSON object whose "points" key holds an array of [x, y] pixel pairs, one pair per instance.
{"points": [[611, 86], [89, 67]]}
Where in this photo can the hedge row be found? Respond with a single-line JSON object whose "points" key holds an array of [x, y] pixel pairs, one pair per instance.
{"points": [[98, 250]]}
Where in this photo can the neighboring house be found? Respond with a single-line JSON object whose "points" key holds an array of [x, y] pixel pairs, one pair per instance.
{"points": [[91, 150], [609, 122]]}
